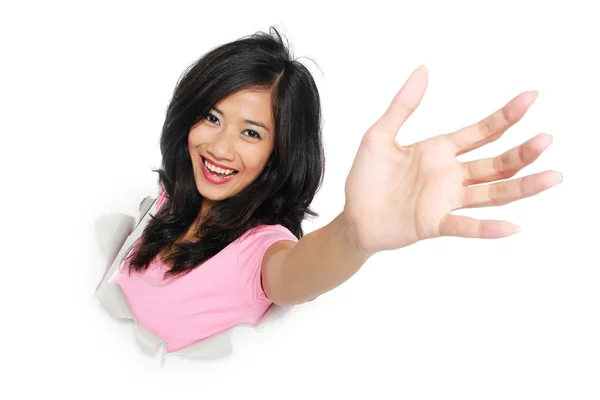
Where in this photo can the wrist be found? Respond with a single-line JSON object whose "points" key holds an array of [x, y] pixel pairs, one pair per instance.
{"points": [[346, 229]]}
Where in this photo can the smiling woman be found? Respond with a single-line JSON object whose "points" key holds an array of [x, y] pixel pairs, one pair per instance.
{"points": [[226, 154], [231, 111], [242, 161]]}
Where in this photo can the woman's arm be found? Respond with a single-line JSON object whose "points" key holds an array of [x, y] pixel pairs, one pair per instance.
{"points": [[294, 273], [398, 195]]}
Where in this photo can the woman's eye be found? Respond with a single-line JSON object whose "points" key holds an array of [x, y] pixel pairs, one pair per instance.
{"points": [[212, 118], [253, 134], [215, 120]]}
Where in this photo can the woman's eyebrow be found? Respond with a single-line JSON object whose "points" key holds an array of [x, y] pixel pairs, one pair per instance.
{"points": [[249, 121]]}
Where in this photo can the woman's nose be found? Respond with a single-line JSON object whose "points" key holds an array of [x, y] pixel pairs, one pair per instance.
{"points": [[223, 145]]}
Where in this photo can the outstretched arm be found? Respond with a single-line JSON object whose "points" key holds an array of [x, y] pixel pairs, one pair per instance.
{"points": [[294, 273], [398, 195]]}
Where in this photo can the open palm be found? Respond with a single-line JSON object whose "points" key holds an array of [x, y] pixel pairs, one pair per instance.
{"points": [[397, 195]]}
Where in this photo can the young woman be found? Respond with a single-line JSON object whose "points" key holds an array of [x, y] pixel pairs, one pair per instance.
{"points": [[242, 161]]}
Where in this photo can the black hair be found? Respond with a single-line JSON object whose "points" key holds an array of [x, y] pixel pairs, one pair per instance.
{"points": [[284, 190]]}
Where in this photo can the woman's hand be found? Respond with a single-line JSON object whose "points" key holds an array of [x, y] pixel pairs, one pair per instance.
{"points": [[397, 195]]}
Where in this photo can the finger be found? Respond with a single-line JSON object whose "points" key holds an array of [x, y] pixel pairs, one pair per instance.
{"points": [[404, 103], [467, 227], [492, 127], [507, 164], [500, 193]]}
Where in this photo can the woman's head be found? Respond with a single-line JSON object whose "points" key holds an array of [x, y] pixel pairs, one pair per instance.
{"points": [[254, 79], [230, 147], [250, 107]]}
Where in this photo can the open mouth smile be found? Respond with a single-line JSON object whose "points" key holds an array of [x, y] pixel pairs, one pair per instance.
{"points": [[215, 174]]}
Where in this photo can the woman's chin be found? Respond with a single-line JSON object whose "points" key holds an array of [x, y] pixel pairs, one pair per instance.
{"points": [[211, 193]]}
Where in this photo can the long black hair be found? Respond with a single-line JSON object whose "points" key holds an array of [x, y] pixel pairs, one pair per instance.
{"points": [[284, 190]]}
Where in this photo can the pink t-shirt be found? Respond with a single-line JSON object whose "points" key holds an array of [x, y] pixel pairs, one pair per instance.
{"points": [[223, 292]]}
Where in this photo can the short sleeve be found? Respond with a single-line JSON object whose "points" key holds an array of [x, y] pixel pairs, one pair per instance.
{"points": [[252, 248]]}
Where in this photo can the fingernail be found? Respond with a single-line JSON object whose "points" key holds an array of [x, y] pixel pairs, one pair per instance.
{"points": [[517, 229], [559, 177], [422, 67], [535, 94]]}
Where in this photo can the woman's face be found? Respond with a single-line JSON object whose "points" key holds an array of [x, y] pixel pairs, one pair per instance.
{"points": [[237, 135]]}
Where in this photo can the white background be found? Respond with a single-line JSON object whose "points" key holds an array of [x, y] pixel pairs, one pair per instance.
{"points": [[84, 88]]}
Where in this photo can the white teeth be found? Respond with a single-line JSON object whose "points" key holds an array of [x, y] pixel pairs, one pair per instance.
{"points": [[217, 169]]}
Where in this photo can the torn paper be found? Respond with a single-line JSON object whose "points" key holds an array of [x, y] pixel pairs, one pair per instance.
{"points": [[116, 235]]}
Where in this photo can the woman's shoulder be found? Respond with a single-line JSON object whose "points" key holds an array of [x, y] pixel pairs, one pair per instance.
{"points": [[253, 244], [251, 249], [264, 231]]}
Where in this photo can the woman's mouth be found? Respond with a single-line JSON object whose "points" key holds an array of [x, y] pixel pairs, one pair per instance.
{"points": [[217, 175]]}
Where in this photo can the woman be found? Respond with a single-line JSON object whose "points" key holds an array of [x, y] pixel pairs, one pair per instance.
{"points": [[242, 162]]}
